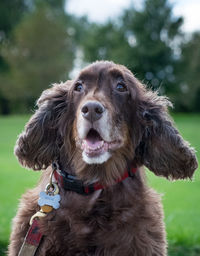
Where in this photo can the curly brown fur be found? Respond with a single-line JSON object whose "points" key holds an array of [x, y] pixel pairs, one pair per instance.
{"points": [[124, 218]]}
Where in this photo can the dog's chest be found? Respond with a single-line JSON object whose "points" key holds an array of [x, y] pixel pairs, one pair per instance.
{"points": [[86, 228]]}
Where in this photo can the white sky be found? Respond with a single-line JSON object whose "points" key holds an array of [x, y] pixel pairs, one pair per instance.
{"points": [[101, 10]]}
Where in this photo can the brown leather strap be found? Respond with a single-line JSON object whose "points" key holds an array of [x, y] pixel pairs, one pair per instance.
{"points": [[31, 241]]}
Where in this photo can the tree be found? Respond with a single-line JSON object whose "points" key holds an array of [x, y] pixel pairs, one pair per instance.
{"points": [[189, 75], [142, 40], [11, 13], [41, 53], [105, 42], [153, 31]]}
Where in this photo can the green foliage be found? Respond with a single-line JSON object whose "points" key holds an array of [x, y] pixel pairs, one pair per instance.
{"points": [[40, 53], [105, 42], [189, 75], [180, 198], [153, 30], [40, 43], [10, 14]]}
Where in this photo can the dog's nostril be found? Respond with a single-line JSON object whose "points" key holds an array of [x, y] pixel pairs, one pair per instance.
{"points": [[99, 109], [84, 109]]}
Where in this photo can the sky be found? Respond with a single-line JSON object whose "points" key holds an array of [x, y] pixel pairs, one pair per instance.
{"points": [[102, 10]]}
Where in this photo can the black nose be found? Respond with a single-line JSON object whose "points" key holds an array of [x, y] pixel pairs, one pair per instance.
{"points": [[92, 110]]}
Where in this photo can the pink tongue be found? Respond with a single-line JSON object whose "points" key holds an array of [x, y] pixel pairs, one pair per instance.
{"points": [[93, 144], [93, 139]]}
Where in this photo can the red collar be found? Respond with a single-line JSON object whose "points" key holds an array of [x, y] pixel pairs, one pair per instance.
{"points": [[72, 183]]}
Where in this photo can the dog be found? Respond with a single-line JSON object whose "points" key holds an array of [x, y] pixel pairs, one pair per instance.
{"points": [[93, 136]]}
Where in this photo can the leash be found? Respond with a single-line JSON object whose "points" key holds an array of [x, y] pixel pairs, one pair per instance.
{"points": [[31, 241], [50, 199]]}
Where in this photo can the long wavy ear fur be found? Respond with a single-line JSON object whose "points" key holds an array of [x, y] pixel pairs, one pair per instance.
{"points": [[38, 145], [162, 149]]}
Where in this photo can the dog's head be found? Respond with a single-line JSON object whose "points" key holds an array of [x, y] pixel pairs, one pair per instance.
{"points": [[103, 122], [105, 117]]}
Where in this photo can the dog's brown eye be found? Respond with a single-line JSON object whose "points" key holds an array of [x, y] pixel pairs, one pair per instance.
{"points": [[78, 87], [121, 87]]}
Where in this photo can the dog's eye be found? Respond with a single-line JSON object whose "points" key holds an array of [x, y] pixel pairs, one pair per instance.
{"points": [[78, 87], [121, 87]]}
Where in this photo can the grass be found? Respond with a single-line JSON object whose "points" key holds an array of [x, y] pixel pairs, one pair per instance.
{"points": [[14, 179], [180, 199]]}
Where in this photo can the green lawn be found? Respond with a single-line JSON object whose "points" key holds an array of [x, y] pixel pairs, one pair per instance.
{"points": [[181, 199], [14, 180]]}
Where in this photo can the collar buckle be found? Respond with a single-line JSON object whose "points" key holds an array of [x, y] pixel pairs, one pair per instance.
{"points": [[73, 184]]}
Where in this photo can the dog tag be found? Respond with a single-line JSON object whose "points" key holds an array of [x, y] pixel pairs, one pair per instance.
{"points": [[49, 199]]}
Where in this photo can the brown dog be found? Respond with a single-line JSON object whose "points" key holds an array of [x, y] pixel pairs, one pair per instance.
{"points": [[100, 129]]}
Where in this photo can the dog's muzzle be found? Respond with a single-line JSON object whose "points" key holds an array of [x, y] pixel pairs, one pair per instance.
{"points": [[95, 133]]}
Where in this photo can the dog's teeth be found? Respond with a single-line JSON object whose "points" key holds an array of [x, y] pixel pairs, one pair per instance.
{"points": [[84, 145], [106, 147], [102, 143], [92, 148]]}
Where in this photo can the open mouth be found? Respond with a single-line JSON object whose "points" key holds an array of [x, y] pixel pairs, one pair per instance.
{"points": [[94, 145]]}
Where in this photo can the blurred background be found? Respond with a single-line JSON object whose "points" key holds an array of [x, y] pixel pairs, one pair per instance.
{"points": [[47, 41]]}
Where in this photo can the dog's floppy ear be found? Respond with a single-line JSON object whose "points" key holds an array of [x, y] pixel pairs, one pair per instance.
{"points": [[38, 145], [162, 149]]}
